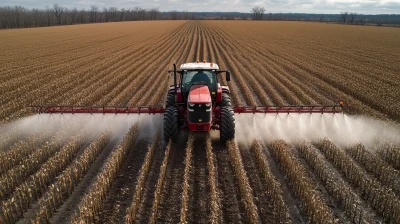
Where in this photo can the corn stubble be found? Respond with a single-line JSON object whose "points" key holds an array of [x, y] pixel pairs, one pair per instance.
{"points": [[271, 63]]}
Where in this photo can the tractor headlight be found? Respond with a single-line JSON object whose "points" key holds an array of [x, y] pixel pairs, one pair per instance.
{"points": [[191, 104], [208, 104]]}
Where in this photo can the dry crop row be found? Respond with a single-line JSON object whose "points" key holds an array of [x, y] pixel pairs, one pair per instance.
{"points": [[129, 67], [215, 200], [336, 186], [91, 203], [274, 189], [66, 182], [380, 198], [303, 187], [386, 174], [301, 65], [244, 185], [141, 180], [15, 176], [91, 69], [391, 154], [33, 188], [20, 150], [160, 184], [186, 178]]}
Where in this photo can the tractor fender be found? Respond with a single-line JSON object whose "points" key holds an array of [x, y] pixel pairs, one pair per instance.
{"points": [[225, 89]]}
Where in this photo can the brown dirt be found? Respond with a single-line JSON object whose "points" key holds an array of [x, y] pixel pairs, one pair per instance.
{"points": [[123, 186]]}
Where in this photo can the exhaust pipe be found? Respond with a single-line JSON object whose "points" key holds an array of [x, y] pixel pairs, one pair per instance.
{"points": [[175, 80]]}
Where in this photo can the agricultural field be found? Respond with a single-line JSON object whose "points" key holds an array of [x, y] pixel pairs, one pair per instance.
{"points": [[71, 170]]}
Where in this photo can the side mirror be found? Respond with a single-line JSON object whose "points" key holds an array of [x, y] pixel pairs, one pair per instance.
{"points": [[228, 76]]}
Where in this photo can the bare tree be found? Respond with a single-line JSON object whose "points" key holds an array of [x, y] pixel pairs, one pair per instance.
{"points": [[173, 15], [58, 12], [343, 17], [154, 13], [74, 16], [121, 14], [93, 14], [352, 17], [258, 12]]}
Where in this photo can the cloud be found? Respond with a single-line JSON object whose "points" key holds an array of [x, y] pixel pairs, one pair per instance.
{"points": [[294, 6]]}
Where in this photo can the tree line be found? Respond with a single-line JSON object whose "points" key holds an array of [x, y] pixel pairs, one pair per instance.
{"points": [[20, 17]]}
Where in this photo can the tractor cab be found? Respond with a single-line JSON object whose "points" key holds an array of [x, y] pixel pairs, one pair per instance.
{"points": [[197, 78], [200, 74]]}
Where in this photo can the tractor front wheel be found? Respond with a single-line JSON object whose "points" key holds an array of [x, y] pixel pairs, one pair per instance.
{"points": [[227, 127], [171, 124]]}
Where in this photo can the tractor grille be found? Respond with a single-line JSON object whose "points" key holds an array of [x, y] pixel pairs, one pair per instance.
{"points": [[199, 115]]}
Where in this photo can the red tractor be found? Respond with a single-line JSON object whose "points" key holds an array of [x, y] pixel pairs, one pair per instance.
{"points": [[198, 102]]}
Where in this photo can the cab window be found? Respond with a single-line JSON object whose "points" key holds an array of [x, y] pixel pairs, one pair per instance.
{"points": [[198, 77]]}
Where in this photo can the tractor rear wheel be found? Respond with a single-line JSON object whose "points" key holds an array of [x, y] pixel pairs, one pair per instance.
{"points": [[171, 124], [226, 100], [170, 101], [227, 127]]}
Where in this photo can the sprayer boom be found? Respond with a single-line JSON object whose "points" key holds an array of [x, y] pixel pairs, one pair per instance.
{"points": [[289, 109], [98, 110], [160, 110]]}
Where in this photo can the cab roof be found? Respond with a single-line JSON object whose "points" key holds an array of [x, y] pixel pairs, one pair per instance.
{"points": [[199, 65]]}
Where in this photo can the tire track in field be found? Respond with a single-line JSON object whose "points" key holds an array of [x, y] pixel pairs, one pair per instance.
{"points": [[66, 211], [199, 197], [294, 206], [170, 205], [263, 202], [232, 207], [215, 201], [122, 189], [146, 203]]}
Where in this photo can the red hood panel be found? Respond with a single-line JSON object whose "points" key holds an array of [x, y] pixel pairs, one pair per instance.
{"points": [[199, 94]]}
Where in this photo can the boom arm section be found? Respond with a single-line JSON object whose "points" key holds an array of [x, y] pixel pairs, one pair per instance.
{"points": [[289, 109], [98, 110]]}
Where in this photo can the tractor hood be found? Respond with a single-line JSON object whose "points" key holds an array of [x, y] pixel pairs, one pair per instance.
{"points": [[199, 94]]}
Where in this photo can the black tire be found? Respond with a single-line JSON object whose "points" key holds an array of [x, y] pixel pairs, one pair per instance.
{"points": [[227, 127], [171, 124], [170, 101], [226, 100]]}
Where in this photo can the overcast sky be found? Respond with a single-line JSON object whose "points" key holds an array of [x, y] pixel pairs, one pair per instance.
{"points": [[303, 6]]}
